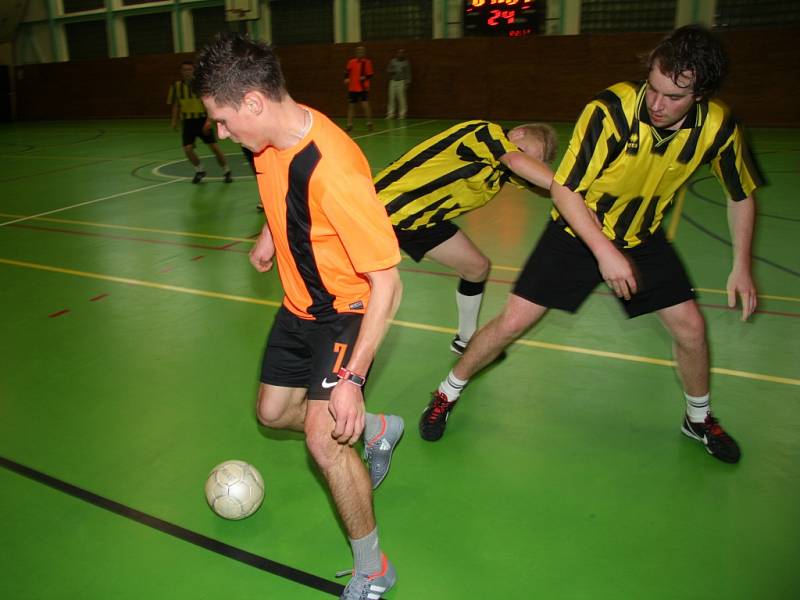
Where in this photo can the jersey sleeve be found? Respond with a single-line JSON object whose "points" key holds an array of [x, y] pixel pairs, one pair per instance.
{"points": [[735, 168], [360, 220], [589, 148]]}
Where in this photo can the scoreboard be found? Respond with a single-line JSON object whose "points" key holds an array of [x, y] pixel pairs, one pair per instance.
{"points": [[507, 18]]}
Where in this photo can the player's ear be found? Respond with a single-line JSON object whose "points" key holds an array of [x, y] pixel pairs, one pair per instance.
{"points": [[253, 102]]}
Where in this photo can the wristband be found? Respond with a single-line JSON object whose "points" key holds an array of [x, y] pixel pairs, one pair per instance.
{"points": [[354, 378]]}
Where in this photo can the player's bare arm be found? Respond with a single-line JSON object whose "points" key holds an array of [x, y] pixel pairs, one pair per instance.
{"points": [[263, 252], [529, 168], [616, 270], [741, 220], [174, 115], [347, 401]]}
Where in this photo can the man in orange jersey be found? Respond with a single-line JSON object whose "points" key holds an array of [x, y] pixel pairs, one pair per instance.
{"points": [[337, 258], [358, 73]]}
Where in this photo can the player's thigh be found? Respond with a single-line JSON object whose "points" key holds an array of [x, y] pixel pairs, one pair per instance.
{"points": [[463, 256]]}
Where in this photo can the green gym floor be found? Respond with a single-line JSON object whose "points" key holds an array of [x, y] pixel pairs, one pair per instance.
{"points": [[132, 331]]}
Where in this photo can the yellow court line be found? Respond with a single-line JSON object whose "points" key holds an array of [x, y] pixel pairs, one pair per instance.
{"points": [[140, 282], [676, 214], [407, 324]]}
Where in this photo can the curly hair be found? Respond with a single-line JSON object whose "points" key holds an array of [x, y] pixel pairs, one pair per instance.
{"points": [[232, 65], [692, 48]]}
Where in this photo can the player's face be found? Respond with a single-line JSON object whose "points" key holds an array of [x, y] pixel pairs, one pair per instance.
{"points": [[668, 101], [240, 125], [187, 72]]}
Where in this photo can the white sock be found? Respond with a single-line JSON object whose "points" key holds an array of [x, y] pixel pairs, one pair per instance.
{"points": [[198, 168], [452, 387], [697, 407], [468, 309]]}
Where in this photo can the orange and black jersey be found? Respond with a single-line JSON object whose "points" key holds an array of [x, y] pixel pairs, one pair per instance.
{"points": [[628, 171], [447, 175], [327, 224]]}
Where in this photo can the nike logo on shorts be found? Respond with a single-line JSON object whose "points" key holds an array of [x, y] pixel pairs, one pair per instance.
{"points": [[328, 384]]}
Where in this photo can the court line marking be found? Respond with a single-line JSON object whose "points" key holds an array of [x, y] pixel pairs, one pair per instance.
{"points": [[251, 240], [96, 200], [176, 531], [406, 324], [676, 214]]}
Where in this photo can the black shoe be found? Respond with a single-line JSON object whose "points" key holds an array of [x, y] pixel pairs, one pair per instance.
{"points": [[717, 442], [228, 177], [198, 176], [434, 418], [458, 346], [260, 207], [348, 127]]}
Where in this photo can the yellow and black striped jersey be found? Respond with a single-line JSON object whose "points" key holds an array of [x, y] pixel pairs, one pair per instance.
{"points": [[189, 103], [628, 171], [449, 174]]}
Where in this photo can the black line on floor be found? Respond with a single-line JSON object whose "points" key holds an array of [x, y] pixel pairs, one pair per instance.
{"points": [[243, 556]]}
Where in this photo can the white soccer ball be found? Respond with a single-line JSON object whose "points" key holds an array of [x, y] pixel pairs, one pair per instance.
{"points": [[234, 489]]}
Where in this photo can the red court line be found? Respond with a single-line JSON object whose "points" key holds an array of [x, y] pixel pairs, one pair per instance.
{"points": [[59, 313], [100, 297]]}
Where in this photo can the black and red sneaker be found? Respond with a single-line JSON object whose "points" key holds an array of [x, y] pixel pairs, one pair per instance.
{"points": [[711, 434], [434, 418]]}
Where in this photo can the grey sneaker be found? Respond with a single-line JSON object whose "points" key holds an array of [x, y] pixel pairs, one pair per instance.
{"points": [[379, 446], [369, 587]]}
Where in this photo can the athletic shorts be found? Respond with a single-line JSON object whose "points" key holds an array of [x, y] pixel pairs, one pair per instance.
{"points": [[417, 242], [353, 97], [193, 128], [307, 354], [562, 271]]}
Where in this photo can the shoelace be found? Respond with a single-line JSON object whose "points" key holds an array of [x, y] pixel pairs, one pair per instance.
{"points": [[714, 428], [440, 405]]}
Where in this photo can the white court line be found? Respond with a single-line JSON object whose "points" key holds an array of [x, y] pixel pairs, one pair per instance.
{"points": [[366, 135], [58, 210]]}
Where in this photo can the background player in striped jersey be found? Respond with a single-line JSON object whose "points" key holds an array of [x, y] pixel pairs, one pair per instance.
{"points": [[337, 260], [187, 106], [632, 149], [452, 173]]}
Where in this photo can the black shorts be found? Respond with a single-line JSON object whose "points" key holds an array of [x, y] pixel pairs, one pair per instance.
{"points": [[193, 128], [353, 97], [562, 271], [307, 354], [417, 242]]}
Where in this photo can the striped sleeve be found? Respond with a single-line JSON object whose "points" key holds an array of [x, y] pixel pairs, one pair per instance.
{"points": [[735, 167], [589, 148], [488, 144]]}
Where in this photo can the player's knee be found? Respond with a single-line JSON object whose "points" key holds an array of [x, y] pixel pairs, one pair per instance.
{"points": [[477, 270], [691, 331], [269, 413]]}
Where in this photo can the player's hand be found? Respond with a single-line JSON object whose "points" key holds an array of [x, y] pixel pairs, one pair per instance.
{"points": [[174, 126], [741, 282], [618, 273], [263, 252], [206, 127], [346, 405]]}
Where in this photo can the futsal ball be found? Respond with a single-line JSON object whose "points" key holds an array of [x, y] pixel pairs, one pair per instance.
{"points": [[234, 489]]}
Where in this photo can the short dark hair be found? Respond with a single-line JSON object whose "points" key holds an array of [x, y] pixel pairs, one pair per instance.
{"points": [[232, 65], [692, 48], [187, 62]]}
